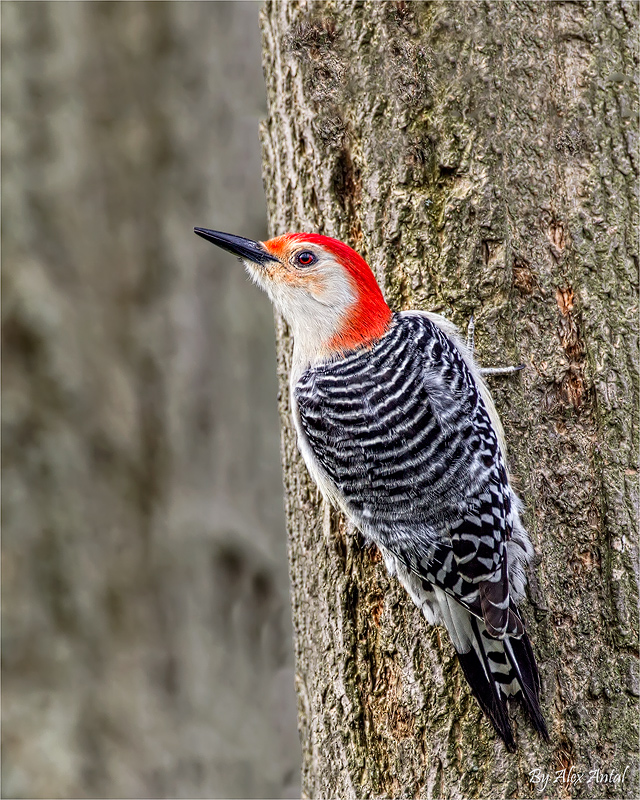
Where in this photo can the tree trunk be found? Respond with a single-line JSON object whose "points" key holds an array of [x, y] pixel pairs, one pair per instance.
{"points": [[146, 648], [481, 158]]}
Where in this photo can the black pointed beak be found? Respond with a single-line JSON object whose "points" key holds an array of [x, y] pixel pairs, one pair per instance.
{"points": [[238, 245]]}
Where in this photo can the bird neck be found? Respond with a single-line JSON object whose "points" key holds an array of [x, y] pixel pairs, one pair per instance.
{"points": [[366, 322], [369, 317], [360, 328]]}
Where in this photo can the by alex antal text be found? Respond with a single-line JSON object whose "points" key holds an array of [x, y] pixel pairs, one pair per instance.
{"points": [[572, 777]]}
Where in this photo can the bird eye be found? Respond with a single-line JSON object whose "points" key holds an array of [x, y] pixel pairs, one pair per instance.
{"points": [[305, 258]]}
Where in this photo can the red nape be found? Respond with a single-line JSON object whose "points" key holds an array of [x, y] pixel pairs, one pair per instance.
{"points": [[370, 317]]}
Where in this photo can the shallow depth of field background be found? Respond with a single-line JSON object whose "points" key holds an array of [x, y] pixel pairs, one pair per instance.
{"points": [[146, 623]]}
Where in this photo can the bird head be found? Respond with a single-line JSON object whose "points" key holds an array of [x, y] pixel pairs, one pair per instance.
{"points": [[325, 290]]}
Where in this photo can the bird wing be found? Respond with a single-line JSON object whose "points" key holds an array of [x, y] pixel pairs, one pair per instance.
{"points": [[402, 432]]}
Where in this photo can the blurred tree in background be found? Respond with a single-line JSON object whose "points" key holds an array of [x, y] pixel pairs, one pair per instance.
{"points": [[146, 643]]}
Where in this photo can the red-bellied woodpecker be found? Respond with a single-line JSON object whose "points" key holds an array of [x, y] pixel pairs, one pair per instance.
{"points": [[398, 429]]}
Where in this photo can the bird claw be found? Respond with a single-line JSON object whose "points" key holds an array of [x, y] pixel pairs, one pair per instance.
{"points": [[500, 370], [489, 371], [471, 327]]}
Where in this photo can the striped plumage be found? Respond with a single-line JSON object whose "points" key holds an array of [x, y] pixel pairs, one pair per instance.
{"points": [[402, 439], [398, 429]]}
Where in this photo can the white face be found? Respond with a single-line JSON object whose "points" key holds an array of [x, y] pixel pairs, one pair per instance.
{"points": [[311, 290], [324, 289]]}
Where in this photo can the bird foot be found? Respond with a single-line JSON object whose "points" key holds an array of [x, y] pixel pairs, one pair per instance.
{"points": [[492, 371]]}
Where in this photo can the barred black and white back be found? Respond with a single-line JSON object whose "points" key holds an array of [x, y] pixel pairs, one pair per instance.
{"points": [[404, 437]]}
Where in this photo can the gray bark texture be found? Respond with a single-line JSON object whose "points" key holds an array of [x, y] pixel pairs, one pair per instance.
{"points": [[146, 622], [482, 157]]}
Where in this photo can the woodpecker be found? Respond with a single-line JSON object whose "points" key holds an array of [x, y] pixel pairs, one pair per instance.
{"points": [[398, 430]]}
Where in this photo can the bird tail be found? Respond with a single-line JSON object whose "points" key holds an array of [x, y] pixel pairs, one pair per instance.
{"points": [[496, 669]]}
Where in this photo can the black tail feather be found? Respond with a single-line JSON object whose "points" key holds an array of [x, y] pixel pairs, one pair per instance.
{"points": [[486, 691], [525, 666], [476, 666]]}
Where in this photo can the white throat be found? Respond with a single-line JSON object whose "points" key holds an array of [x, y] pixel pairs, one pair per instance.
{"points": [[315, 313], [313, 325]]}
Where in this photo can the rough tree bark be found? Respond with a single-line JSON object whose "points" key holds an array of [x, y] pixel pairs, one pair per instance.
{"points": [[481, 157]]}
